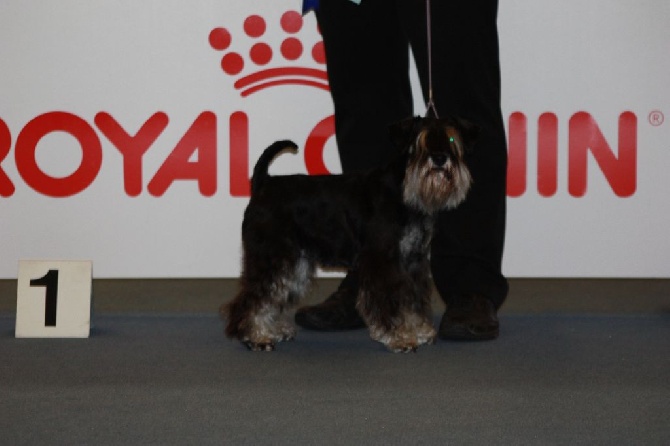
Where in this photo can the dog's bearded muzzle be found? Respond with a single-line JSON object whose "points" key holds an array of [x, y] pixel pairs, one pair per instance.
{"points": [[435, 181]]}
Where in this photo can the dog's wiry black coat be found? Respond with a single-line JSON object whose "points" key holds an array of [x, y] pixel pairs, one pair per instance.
{"points": [[377, 223]]}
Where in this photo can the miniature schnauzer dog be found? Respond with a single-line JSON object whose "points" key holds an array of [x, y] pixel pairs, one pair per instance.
{"points": [[379, 223]]}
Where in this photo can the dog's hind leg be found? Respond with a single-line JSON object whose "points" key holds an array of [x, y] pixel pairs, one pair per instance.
{"points": [[257, 315]]}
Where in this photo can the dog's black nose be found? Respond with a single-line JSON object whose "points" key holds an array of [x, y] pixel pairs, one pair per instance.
{"points": [[439, 159]]}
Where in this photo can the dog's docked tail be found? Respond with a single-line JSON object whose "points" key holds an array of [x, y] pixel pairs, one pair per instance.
{"points": [[263, 163]]}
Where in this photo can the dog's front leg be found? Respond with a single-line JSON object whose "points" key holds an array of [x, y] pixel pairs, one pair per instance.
{"points": [[396, 316]]}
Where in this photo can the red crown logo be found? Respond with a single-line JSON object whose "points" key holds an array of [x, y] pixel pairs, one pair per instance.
{"points": [[261, 54]]}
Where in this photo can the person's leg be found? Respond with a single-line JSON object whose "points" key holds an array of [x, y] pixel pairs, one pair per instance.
{"points": [[367, 59], [468, 245], [368, 69]]}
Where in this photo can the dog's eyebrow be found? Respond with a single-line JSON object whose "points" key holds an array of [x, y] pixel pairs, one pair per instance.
{"points": [[453, 136], [418, 142], [451, 133]]}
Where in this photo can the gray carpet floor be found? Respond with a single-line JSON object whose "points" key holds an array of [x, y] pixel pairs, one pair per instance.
{"points": [[170, 377]]}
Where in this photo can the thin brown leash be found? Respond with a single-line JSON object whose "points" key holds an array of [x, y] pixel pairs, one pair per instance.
{"points": [[429, 38]]}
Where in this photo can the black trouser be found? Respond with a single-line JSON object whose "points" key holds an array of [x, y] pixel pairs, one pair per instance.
{"points": [[367, 52]]}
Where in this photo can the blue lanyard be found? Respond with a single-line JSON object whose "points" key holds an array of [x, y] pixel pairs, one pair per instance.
{"points": [[307, 5]]}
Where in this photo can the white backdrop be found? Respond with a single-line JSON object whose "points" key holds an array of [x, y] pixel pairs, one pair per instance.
{"points": [[126, 127]]}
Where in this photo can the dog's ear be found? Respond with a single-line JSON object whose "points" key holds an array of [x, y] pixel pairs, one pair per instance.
{"points": [[468, 130], [403, 132]]}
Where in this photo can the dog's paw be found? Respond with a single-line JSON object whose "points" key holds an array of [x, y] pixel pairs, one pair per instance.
{"points": [[259, 346], [262, 332], [407, 337], [402, 348], [267, 344], [407, 345]]}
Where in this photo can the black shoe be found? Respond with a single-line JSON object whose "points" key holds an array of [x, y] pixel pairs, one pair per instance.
{"points": [[337, 313], [470, 319]]}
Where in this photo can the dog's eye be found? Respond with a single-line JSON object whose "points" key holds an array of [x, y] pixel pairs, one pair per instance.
{"points": [[451, 139]]}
